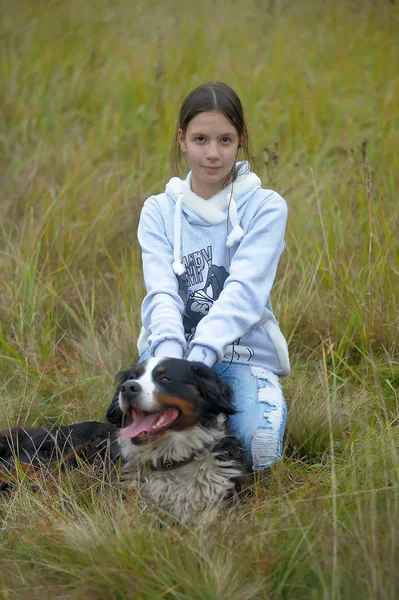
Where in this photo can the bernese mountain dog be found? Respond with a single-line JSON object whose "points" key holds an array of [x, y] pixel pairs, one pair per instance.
{"points": [[168, 422]]}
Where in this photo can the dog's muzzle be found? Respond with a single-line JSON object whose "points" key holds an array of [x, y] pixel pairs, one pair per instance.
{"points": [[130, 390]]}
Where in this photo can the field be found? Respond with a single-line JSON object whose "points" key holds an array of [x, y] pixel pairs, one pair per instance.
{"points": [[88, 101]]}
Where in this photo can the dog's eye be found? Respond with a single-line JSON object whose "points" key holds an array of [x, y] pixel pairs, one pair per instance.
{"points": [[164, 379]]}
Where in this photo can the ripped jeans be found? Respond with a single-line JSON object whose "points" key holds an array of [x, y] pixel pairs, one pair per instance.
{"points": [[262, 411]]}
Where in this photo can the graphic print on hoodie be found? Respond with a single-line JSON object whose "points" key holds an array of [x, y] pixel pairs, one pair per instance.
{"points": [[209, 266], [198, 303]]}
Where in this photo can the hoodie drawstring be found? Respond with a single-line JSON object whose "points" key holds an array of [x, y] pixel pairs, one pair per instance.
{"points": [[178, 266], [237, 232]]}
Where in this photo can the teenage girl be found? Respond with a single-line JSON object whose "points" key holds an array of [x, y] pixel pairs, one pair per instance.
{"points": [[210, 246]]}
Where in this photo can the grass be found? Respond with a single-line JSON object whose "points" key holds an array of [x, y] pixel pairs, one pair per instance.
{"points": [[90, 93]]}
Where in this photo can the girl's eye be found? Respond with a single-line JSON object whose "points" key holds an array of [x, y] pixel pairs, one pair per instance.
{"points": [[164, 379], [226, 140], [200, 138]]}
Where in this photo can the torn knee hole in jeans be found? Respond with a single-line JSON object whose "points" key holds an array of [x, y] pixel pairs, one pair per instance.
{"points": [[264, 383], [269, 389], [265, 442], [263, 377], [266, 445], [265, 448]]}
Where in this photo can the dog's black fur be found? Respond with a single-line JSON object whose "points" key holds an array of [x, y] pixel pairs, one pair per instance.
{"points": [[70, 444]]}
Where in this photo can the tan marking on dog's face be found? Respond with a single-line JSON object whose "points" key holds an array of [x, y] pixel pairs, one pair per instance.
{"points": [[187, 416], [139, 370]]}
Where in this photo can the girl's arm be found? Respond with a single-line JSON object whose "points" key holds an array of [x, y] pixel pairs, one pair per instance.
{"points": [[162, 307], [242, 301]]}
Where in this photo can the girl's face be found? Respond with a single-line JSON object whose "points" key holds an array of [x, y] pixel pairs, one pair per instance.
{"points": [[211, 145]]}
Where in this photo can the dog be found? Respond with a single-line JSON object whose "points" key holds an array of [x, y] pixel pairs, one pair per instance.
{"points": [[168, 423], [175, 440]]}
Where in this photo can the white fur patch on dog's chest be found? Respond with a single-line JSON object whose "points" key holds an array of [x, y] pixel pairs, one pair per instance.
{"points": [[203, 483]]}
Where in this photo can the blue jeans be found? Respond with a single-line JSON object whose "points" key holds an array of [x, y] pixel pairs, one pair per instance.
{"points": [[261, 410]]}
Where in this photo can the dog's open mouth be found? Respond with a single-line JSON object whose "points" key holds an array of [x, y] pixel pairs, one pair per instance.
{"points": [[145, 424]]}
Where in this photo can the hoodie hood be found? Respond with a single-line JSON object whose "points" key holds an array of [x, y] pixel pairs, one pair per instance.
{"points": [[213, 211]]}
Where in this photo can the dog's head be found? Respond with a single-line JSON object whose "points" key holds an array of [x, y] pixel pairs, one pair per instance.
{"points": [[167, 394]]}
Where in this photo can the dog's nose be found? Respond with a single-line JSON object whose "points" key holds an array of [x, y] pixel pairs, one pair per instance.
{"points": [[130, 389]]}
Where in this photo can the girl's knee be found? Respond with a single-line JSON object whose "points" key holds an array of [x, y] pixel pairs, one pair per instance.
{"points": [[264, 440], [266, 448], [267, 439]]}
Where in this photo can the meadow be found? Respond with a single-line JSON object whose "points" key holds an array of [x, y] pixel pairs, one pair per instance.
{"points": [[89, 96]]}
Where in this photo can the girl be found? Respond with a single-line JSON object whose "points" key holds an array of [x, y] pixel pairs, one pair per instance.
{"points": [[210, 246]]}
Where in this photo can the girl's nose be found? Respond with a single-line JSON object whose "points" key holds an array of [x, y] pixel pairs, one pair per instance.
{"points": [[212, 151]]}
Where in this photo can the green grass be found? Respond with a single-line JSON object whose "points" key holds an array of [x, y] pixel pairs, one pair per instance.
{"points": [[89, 96]]}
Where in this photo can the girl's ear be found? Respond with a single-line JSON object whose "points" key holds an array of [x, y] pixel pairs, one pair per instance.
{"points": [[180, 135]]}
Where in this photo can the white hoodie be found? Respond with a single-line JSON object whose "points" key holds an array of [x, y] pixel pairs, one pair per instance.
{"points": [[209, 266]]}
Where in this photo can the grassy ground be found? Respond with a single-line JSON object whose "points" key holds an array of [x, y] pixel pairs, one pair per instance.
{"points": [[89, 96]]}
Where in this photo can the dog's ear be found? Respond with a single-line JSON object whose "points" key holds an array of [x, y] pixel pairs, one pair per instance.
{"points": [[213, 389], [114, 414]]}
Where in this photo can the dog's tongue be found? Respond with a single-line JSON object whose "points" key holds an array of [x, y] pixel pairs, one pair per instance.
{"points": [[145, 422], [140, 424]]}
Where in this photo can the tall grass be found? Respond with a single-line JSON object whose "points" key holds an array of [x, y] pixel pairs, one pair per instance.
{"points": [[88, 100]]}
